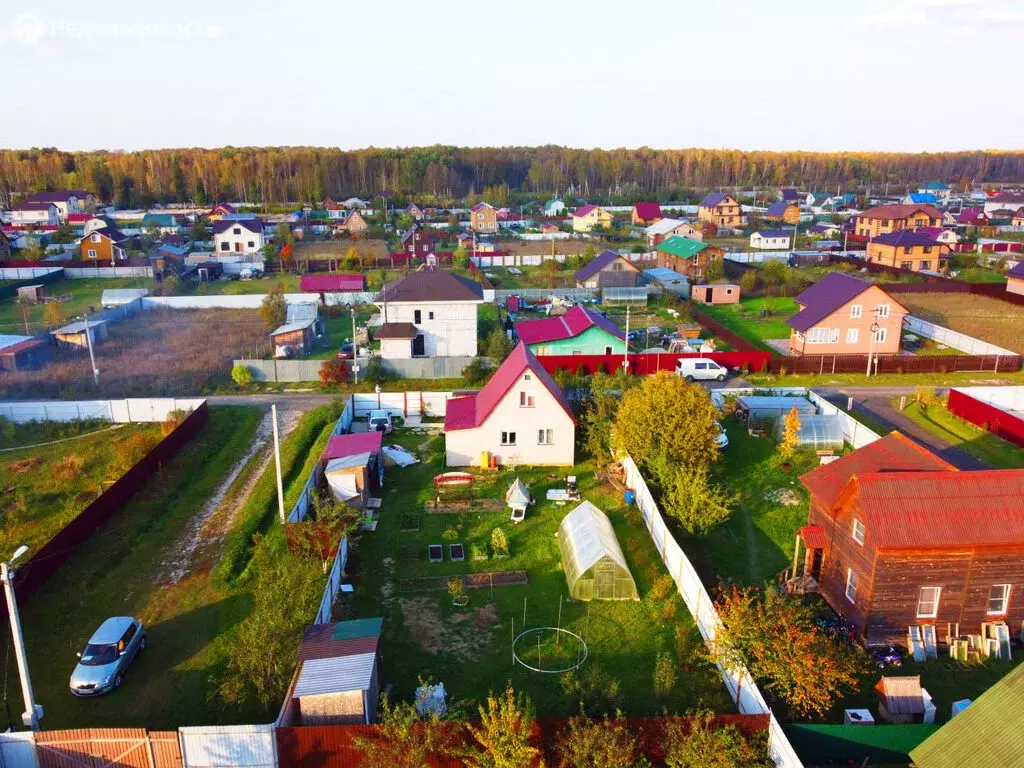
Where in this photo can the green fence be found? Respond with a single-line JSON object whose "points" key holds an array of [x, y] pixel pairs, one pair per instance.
{"points": [[852, 744], [10, 290]]}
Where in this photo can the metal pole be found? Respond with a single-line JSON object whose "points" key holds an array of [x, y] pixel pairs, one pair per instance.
{"points": [[277, 463], [558, 634], [92, 359], [524, 612], [33, 712]]}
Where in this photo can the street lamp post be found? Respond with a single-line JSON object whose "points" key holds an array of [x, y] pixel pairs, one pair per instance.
{"points": [[871, 344], [33, 712]]}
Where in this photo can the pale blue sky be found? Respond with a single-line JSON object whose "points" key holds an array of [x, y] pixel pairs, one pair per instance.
{"points": [[915, 75]]}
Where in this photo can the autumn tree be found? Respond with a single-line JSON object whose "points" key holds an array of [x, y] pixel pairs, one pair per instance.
{"points": [[666, 424], [695, 501], [403, 739], [460, 257], [274, 308], [790, 433], [502, 739], [715, 270], [53, 314], [777, 639], [701, 743], [597, 414], [604, 742]]}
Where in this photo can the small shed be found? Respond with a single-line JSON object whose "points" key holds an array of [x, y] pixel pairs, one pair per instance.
{"points": [[517, 497], [772, 407], [720, 293], [73, 334], [293, 338], [25, 355], [337, 681], [901, 699], [592, 559], [821, 432], [353, 465], [32, 294]]}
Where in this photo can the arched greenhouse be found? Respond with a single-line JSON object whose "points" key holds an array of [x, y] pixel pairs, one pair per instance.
{"points": [[594, 565]]}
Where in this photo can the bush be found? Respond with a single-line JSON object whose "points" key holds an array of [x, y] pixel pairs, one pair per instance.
{"points": [[377, 372], [173, 420], [477, 372], [334, 371], [274, 309], [499, 543], [450, 535], [664, 674], [241, 375]]}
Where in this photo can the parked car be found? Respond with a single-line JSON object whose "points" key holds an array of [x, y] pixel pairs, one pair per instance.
{"points": [[347, 351], [380, 421], [700, 369], [721, 439], [105, 658]]}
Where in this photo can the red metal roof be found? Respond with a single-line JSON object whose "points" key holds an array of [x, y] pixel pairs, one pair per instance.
{"points": [[813, 536], [647, 211], [571, 324], [321, 283], [340, 446], [899, 212], [471, 412], [942, 509], [21, 346], [583, 210], [892, 453]]}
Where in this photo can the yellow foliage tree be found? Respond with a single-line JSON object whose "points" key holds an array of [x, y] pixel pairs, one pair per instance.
{"points": [[503, 735], [53, 314], [790, 432]]}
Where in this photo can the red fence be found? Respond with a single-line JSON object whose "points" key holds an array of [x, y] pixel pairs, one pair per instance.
{"points": [[649, 363], [44, 563], [828, 364], [723, 333], [1006, 425]]}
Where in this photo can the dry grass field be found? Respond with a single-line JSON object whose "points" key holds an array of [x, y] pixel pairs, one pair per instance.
{"points": [[338, 249], [170, 353], [991, 320]]}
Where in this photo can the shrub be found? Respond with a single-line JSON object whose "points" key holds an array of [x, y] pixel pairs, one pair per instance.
{"points": [[703, 744], [926, 396], [664, 674], [334, 371], [274, 309], [241, 375], [450, 535], [457, 591], [597, 692], [477, 372], [174, 418], [377, 372], [499, 542]]}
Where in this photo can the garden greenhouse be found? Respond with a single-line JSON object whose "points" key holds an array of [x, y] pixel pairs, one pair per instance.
{"points": [[818, 432], [594, 565]]}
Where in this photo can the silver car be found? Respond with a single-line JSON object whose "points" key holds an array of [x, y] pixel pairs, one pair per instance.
{"points": [[103, 661]]}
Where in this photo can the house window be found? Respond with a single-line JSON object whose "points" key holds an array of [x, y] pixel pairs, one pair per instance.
{"points": [[417, 317], [508, 438], [525, 400], [608, 350], [852, 335], [856, 311], [92, 253], [906, 265], [236, 231], [928, 602], [851, 585], [430, 315], [545, 437], [882, 310], [907, 249], [225, 246], [823, 336], [880, 335], [528, 377], [95, 238], [998, 599], [858, 531], [927, 249], [252, 244]]}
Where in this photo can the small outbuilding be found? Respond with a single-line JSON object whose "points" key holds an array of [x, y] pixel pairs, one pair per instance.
{"points": [[772, 406], [721, 293], [25, 354], [592, 559], [74, 334], [353, 465], [293, 338], [32, 294], [517, 497]]}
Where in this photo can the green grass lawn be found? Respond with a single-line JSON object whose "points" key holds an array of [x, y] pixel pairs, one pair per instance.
{"points": [[745, 318], [885, 379], [470, 649], [189, 624], [263, 285], [82, 294], [757, 541], [974, 440], [47, 486]]}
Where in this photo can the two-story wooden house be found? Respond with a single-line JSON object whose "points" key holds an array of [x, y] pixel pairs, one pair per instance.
{"points": [[429, 314], [607, 270], [782, 211], [911, 249], [841, 313], [645, 214], [721, 209], [419, 241], [688, 257], [891, 218], [104, 244], [897, 537], [483, 217], [586, 217]]}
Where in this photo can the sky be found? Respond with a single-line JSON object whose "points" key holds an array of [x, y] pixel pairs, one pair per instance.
{"points": [[817, 75]]}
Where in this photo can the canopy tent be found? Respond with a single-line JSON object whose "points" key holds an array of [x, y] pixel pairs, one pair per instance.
{"points": [[818, 432], [594, 565], [347, 477]]}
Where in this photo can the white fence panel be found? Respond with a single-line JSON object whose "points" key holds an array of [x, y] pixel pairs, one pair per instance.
{"points": [[951, 338], [323, 616], [348, 298], [142, 409], [18, 749], [81, 273], [228, 746], [236, 301], [435, 404], [26, 273]]}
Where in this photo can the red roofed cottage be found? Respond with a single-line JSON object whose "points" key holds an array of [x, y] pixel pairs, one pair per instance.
{"points": [[519, 417], [646, 213], [897, 537]]}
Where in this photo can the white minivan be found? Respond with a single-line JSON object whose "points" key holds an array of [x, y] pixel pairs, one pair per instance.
{"points": [[700, 369]]}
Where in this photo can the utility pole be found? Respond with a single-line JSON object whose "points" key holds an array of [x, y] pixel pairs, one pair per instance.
{"points": [[92, 358], [625, 354], [277, 463], [33, 711], [355, 346]]}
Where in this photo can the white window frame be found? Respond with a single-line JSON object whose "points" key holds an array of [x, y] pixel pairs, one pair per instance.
{"points": [[857, 533], [823, 336], [935, 602], [856, 311], [526, 400], [852, 335], [508, 438], [883, 310], [1007, 589], [545, 437], [92, 253], [95, 238], [881, 335], [851, 585]]}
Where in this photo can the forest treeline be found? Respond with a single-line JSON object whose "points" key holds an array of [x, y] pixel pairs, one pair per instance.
{"points": [[499, 174]]}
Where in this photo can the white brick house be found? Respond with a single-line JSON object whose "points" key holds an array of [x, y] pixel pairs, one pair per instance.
{"points": [[429, 314], [238, 236]]}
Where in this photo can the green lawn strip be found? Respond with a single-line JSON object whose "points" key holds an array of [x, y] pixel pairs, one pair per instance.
{"points": [[978, 442], [265, 284], [749, 325], [938, 379], [868, 422], [470, 649], [115, 573], [45, 487], [84, 293]]}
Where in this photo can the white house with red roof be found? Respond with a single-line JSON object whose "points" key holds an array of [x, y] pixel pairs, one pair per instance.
{"points": [[519, 417], [579, 331]]}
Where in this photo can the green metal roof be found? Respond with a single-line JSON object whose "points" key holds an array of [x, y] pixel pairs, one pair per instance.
{"points": [[988, 734], [357, 628], [682, 247]]}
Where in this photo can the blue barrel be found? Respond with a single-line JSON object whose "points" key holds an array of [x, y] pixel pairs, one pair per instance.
{"points": [[630, 496]]}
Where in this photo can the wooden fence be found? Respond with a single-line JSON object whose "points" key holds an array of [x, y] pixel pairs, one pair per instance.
{"points": [[108, 748]]}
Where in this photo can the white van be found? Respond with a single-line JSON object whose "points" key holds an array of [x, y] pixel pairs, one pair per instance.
{"points": [[700, 369]]}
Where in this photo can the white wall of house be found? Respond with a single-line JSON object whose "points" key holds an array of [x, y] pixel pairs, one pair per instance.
{"points": [[464, 446], [395, 349], [448, 328], [238, 239], [769, 243], [47, 216]]}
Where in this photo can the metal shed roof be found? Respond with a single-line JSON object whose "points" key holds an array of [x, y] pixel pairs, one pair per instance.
{"points": [[298, 312], [337, 675], [115, 296], [298, 325]]}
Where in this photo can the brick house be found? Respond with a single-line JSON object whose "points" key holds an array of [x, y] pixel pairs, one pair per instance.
{"points": [[915, 250], [898, 537], [836, 316], [688, 257], [721, 209], [890, 218]]}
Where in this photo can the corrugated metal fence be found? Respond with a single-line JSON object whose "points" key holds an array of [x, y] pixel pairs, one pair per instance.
{"points": [[301, 507], [951, 338], [295, 371], [127, 411], [323, 615]]}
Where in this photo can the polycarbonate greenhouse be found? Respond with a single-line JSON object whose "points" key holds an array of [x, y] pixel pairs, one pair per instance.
{"points": [[818, 432], [594, 565]]}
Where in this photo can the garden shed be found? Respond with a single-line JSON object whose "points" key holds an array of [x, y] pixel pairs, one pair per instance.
{"points": [[592, 559], [821, 432]]}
